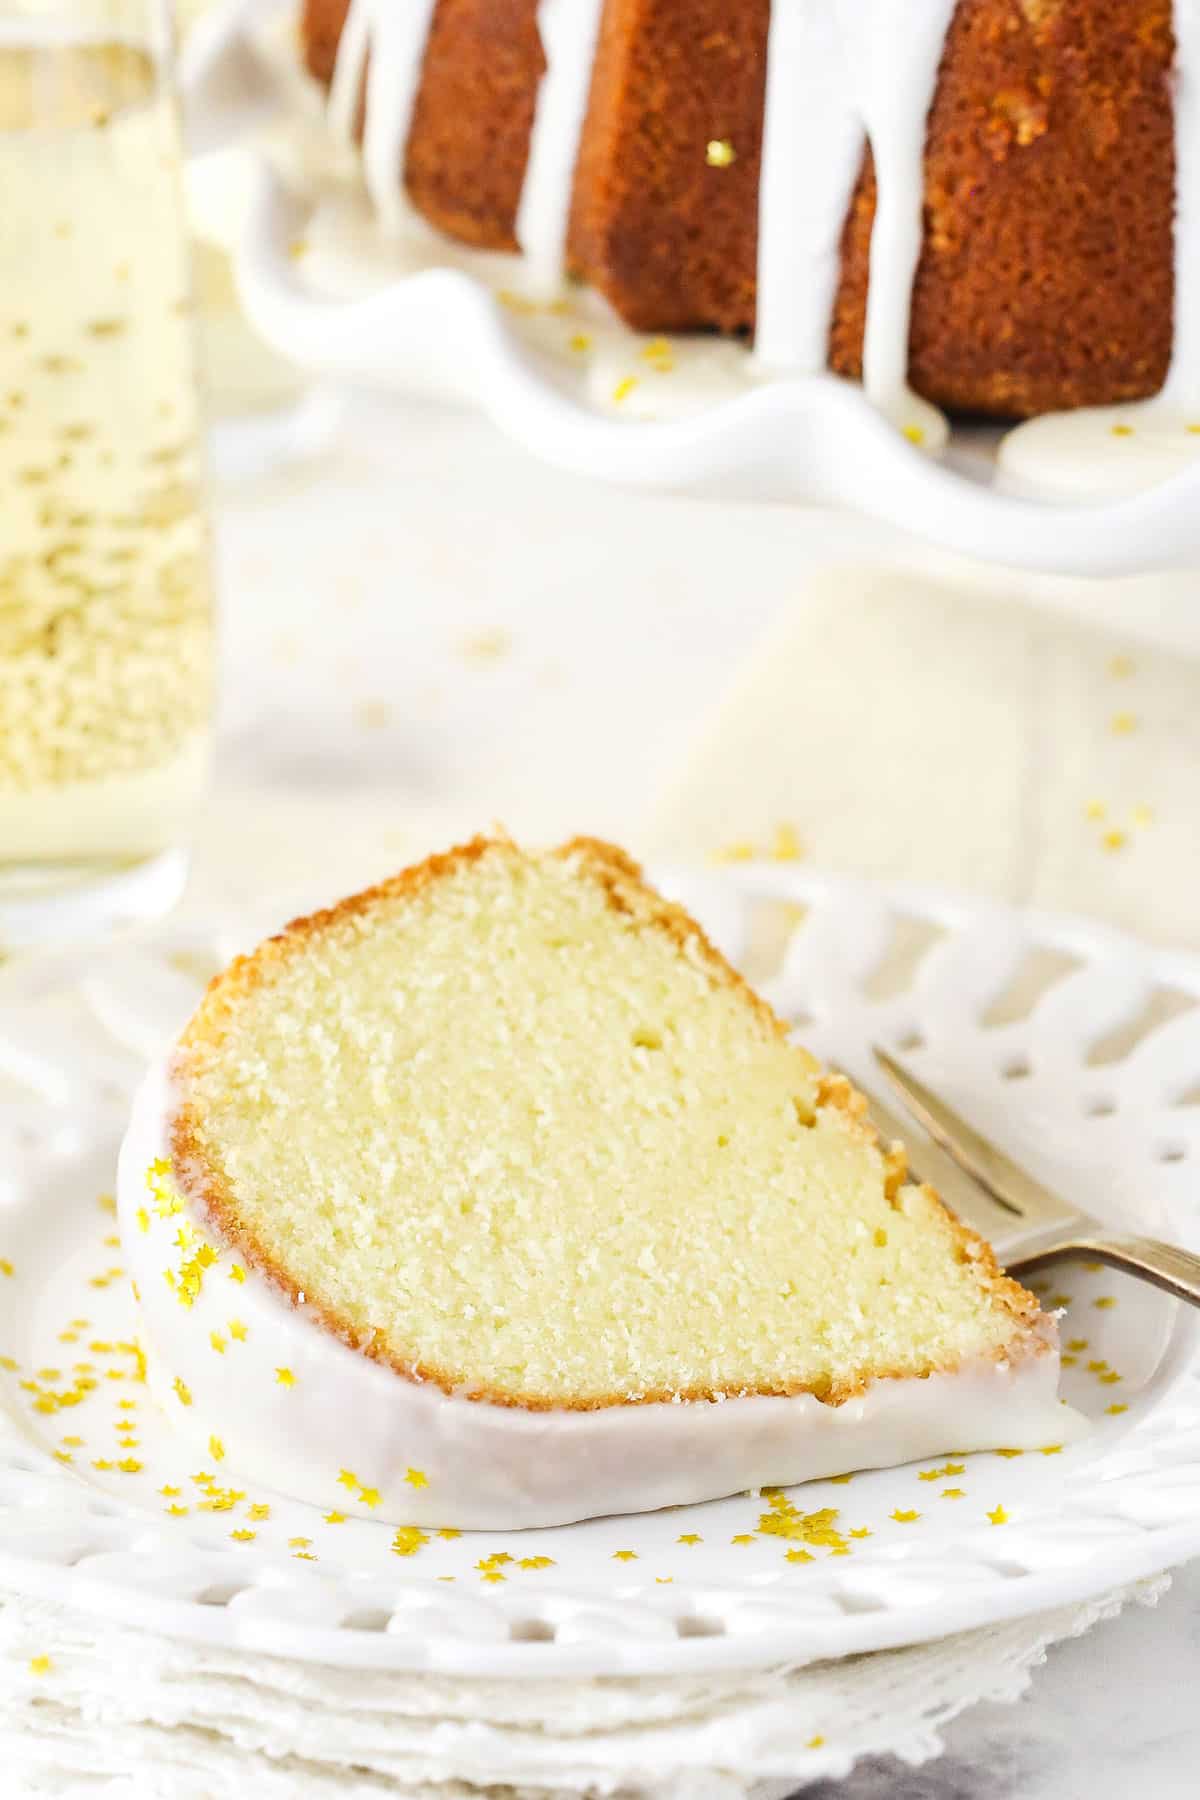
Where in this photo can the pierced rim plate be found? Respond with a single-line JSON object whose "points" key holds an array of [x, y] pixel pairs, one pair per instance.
{"points": [[1077, 1048]]}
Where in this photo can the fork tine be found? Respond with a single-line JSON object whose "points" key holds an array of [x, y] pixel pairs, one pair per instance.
{"points": [[1010, 1185]]}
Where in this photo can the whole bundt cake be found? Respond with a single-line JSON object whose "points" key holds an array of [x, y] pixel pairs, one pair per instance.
{"points": [[976, 196]]}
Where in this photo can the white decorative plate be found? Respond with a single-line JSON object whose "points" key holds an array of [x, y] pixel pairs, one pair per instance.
{"points": [[417, 314], [1077, 1048]]}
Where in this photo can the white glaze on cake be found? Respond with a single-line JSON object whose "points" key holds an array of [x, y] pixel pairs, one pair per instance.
{"points": [[499, 1467], [840, 74], [569, 30]]}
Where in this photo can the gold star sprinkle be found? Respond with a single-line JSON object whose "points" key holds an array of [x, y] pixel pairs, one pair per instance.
{"points": [[258, 1511], [408, 1540], [1111, 1379], [1105, 1302], [1116, 1407], [743, 1537], [369, 1496], [493, 1575], [998, 1516], [798, 1556], [170, 1493], [40, 1665], [814, 1743], [1010, 1453], [237, 1330], [1123, 723], [417, 1478], [860, 1531], [285, 1378], [1116, 839], [624, 1556], [242, 1536], [176, 1511], [299, 1543], [1077, 1344], [237, 1273], [6, 1267], [536, 1562], [719, 153], [448, 1532], [216, 1449], [1122, 431], [1095, 809], [218, 1342], [915, 434], [129, 1465], [183, 1391], [904, 1516], [580, 343], [1051, 1449], [335, 1518], [664, 1580], [690, 1537], [348, 1479], [624, 388], [953, 1493]]}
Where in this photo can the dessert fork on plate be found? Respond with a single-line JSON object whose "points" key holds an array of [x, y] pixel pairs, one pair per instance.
{"points": [[1027, 1224]]}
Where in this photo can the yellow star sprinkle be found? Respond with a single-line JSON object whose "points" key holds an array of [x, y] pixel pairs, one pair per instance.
{"points": [[237, 1273], [176, 1511], [258, 1511], [1123, 723], [664, 1580], [417, 1478], [798, 1556], [63, 1456], [129, 1465], [743, 1537], [998, 1516], [905, 1516], [1010, 1453], [299, 1543], [1122, 430], [6, 1267], [860, 1532], [218, 1342], [814, 1743], [303, 1556], [493, 1575], [624, 1556], [369, 1496], [237, 1330], [1058, 1300], [1116, 1407], [1111, 1378], [953, 1493], [242, 1536], [580, 343], [690, 1537], [143, 1219], [624, 388], [494, 1560], [216, 1449], [40, 1665], [73, 1443], [1068, 1362], [1115, 839], [285, 1378], [536, 1562], [448, 1532], [719, 153], [1104, 1303], [1077, 1343], [9, 1363], [408, 1540], [170, 1493], [335, 1518], [1051, 1449], [182, 1390]]}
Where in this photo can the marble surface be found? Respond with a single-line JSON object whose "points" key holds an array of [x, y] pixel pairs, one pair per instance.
{"points": [[425, 632]]}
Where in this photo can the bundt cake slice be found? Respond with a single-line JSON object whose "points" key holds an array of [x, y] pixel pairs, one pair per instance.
{"points": [[507, 1178], [715, 167]]}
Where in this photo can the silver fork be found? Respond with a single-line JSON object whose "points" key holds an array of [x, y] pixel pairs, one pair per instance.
{"points": [[1027, 1225]]}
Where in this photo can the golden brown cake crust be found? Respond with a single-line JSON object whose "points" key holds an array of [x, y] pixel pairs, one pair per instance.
{"points": [[1047, 275], [621, 880]]}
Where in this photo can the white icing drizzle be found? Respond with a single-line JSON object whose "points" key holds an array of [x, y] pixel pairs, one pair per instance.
{"points": [[893, 51], [569, 30], [385, 41], [811, 153]]}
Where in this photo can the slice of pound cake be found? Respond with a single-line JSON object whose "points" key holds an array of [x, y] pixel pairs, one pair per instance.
{"points": [[492, 1197]]}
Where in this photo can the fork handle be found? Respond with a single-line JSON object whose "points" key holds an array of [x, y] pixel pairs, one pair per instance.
{"points": [[1164, 1265]]}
